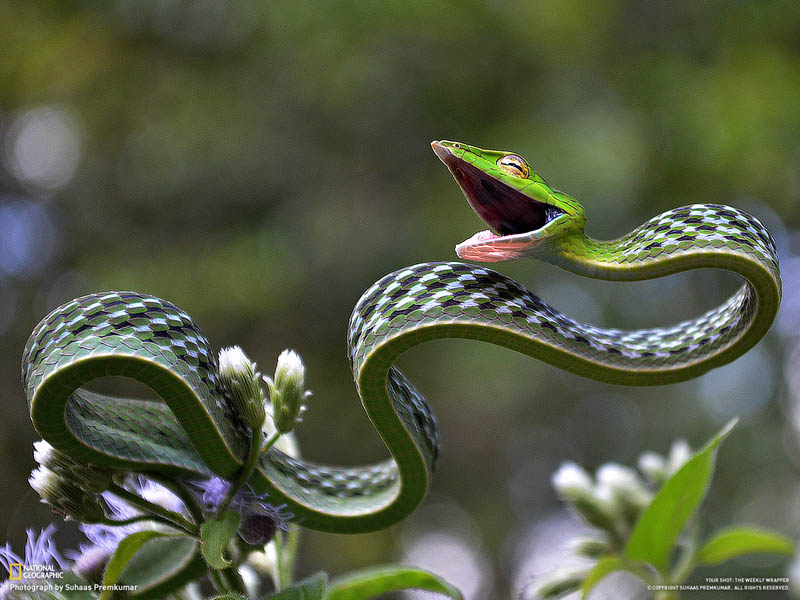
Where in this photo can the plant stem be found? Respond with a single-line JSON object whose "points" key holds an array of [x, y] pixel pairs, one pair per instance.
{"points": [[253, 453], [286, 570], [234, 580], [271, 442], [173, 518], [685, 564], [216, 581], [180, 490], [282, 576], [139, 519]]}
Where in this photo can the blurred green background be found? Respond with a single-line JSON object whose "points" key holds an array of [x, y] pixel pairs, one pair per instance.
{"points": [[260, 164]]}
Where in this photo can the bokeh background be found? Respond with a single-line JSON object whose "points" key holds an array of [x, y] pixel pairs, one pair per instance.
{"points": [[262, 163]]}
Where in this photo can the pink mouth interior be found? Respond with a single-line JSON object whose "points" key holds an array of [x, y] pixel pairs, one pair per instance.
{"points": [[506, 210], [481, 236]]}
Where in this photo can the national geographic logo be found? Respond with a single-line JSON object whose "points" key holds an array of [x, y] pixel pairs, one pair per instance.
{"points": [[18, 572]]}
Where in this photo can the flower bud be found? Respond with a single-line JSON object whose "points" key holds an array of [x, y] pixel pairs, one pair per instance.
{"points": [[93, 479], [572, 481], [257, 529], [45, 483], [286, 391], [626, 488], [654, 467], [65, 496], [241, 382], [590, 546], [595, 504]]}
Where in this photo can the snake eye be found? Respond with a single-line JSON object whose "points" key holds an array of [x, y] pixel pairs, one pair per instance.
{"points": [[514, 165]]}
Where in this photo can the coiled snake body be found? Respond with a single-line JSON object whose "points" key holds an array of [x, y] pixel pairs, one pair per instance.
{"points": [[195, 431]]}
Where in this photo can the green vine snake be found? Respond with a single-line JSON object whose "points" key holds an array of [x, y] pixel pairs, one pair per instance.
{"points": [[194, 431]]}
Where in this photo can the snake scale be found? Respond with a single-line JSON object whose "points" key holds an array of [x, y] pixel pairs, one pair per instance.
{"points": [[195, 431]]}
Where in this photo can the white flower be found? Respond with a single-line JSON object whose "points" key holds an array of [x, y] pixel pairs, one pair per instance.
{"points": [[233, 361], [290, 366], [622, 480], [653, 466], [43, 452], [44, 482], [679, 454], [606, 497], [625, 487], [616, 476], [286, 391], [239, 378], [91, 478], [63, 494], [571, 481]]}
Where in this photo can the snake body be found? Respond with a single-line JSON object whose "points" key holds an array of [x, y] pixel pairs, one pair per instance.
{"points": [[194, 430]]}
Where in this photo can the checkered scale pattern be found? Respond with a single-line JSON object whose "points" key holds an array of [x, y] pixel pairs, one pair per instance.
{"points": [[93, 328], [403, 309], [462, 297], [695, 227]]}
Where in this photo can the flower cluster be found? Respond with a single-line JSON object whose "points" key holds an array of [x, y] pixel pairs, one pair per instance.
{"points": [[611, 502], [240, 379], [103, 538], [110, 506], [67, 485], [287, 391], [287, 394], [260, 519], [614, 499], [39, 550]]}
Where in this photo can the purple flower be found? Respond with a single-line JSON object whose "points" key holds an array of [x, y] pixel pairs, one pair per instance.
{"points": [[39, 550], [260, 519], [104, 539], [214, 491]]}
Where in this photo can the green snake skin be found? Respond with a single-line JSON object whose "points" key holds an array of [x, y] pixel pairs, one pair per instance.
{"points": [[194, 431]]}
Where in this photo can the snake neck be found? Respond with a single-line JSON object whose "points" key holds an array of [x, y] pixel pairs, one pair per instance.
{"points": [[696, 236], [622, 259], [598, 259]]}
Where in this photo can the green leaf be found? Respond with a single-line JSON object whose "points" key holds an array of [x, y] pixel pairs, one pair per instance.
{"points": [[229, 597], [373, 582], [601, 570], [123, 555], [312, 588], [658, 528], [163, 566], [736, 541], [216, 535], [608, 565]]}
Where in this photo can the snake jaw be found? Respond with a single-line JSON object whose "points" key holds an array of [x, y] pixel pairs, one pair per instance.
{"points": [[519, 220], [486, 246]]}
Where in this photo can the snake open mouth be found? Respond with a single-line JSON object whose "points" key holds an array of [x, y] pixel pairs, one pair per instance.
{"points": [[506, 210]]}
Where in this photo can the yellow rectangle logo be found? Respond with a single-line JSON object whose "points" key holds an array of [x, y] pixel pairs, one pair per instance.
{"points": [[11, 571]]}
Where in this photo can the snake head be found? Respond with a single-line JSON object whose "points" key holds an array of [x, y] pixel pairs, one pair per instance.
{"points": [[524, 213]]}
